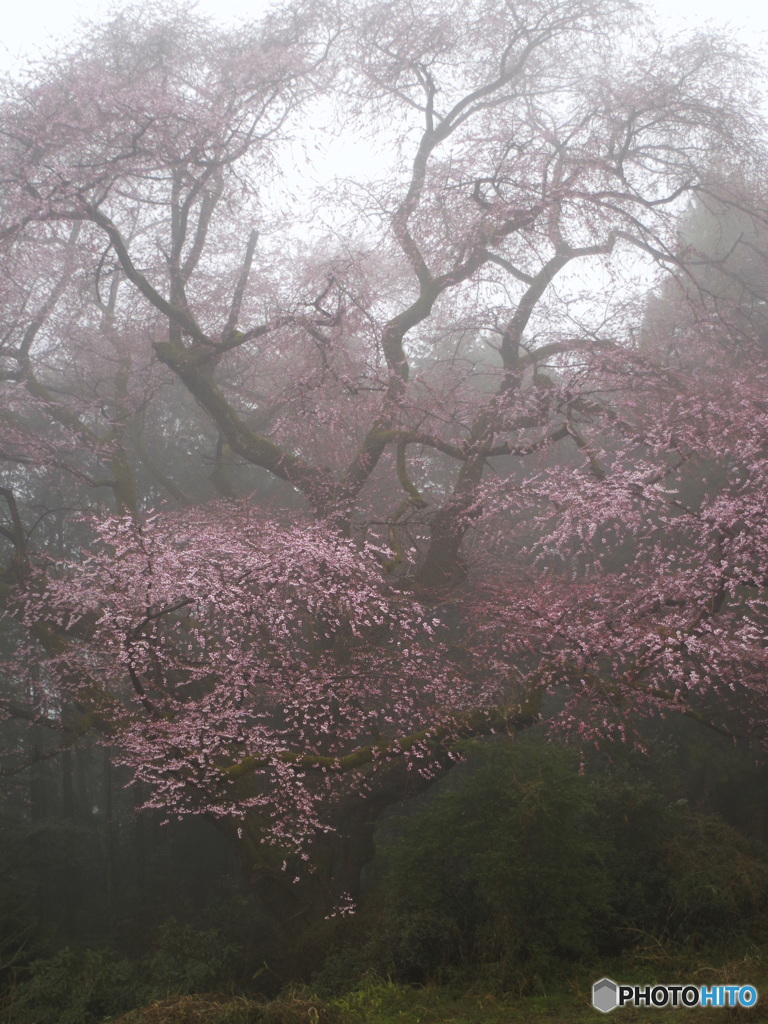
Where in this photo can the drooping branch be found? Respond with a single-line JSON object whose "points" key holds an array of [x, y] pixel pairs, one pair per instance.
{"points": [[514, 718]]}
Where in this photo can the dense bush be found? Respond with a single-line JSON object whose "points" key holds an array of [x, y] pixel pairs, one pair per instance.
{"points": [[520, 867], [82, 986], [507, 870], [75, 987], [526, 865]]}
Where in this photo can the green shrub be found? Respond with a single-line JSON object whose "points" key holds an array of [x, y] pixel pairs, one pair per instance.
{"points": [[185, 959], [717, 882], [344, 969], [508, 869], [524, 866], [84, 986], [76, 987]]}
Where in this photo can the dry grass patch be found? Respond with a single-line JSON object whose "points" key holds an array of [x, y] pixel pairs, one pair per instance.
{"points": [[291, 1008]]}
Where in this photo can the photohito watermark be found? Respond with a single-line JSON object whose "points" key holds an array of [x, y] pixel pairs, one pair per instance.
{"points": [[608, 994]]}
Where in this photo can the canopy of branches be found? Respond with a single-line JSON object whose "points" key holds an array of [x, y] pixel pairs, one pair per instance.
{"points": [[309, 474]]}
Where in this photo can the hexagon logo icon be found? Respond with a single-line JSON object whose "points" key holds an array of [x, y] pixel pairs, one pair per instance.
{"points": [[605, 995]]}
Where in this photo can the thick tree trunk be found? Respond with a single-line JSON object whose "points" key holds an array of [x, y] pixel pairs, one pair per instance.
{"points": [[300, 901]]}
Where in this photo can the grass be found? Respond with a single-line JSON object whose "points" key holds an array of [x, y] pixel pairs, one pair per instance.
{"points": [[380, 1002], [377, 1001], [390, 1004], [395, 1005], [290, 1008]]}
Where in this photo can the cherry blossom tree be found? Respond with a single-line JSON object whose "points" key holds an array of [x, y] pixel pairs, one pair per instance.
{"points": [[347, 469]]}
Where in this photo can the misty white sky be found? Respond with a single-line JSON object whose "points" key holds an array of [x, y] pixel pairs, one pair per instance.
{"points": [[28, 25]]}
